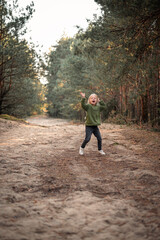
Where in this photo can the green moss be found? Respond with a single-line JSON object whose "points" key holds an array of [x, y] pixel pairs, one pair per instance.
{"points": [[11, 118]]}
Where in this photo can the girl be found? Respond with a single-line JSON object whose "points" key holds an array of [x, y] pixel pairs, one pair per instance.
{"points": [[93, 109]]}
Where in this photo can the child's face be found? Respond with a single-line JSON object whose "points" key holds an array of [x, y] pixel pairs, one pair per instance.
{"points": [[93, 99]]}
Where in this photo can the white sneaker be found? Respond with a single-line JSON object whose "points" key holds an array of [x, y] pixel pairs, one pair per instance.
{"points": [[101, 152], [81, 151]]}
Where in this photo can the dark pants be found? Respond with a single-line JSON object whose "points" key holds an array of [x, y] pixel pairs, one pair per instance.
{"points": [[96, 132]]}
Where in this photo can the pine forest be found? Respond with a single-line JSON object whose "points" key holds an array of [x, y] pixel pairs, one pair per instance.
{"points": [[116, 57]]}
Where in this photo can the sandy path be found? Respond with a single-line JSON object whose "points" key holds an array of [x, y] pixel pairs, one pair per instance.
{"points": [[49, 192]]}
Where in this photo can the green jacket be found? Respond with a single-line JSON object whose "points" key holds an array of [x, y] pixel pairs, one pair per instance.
{"points": [[93, 112]]}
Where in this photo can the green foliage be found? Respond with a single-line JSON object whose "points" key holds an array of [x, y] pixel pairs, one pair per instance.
{"points": [[117, 57], [126, 38], [24, 98], [11, 118], [19, 85], [68, 74]]}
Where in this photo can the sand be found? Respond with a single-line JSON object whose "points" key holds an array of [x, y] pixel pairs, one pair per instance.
{"points": [[49, 192]]}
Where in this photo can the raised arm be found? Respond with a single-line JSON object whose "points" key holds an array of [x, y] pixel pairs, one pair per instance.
{"points": [[83, 104], [82, 95]]}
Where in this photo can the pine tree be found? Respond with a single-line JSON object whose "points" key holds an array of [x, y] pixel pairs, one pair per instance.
{"points": [[18, 73], [126, 41]]}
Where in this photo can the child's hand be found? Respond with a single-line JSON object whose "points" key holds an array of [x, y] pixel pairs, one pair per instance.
{"points": [[82, 94]]}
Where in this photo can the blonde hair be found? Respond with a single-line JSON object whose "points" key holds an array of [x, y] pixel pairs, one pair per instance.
{"points": [[93, 94]]}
